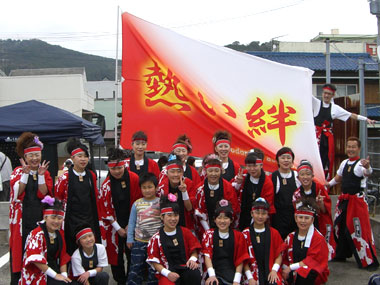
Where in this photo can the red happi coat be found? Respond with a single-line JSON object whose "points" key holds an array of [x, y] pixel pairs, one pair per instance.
{"points": [[61, 188], [277, 246], [152, 166], [163, 189], [15, 217], [156, 252], [195, 176], [325, 223], [362, 237], [36, 251], [200, 209], [110, 237], [240, 247], [316, 258], [267, 191]]}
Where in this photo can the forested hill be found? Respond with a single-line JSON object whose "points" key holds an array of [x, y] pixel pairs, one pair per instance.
{"points": [[30, 54]]}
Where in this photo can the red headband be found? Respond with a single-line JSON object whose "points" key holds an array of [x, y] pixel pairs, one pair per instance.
{"points": [[222, 141], [116, 164], [259, 208], [32, 149], [304, 167], [167, 210], [304, 213], [178, 145], [76, 151], [329, 88], [212, 165], [173, 166], [288, 152], [139, 139], [83, 233], [52, 212]]}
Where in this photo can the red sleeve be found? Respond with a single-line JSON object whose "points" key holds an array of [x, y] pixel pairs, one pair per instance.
{"points": [[35, 248], [134, 187], [267, 193], [288, 247], [153, 249], [207, 243], [241, 250], [278, 244], [191, 242], [320, 189], [230, 195], [236, 167], [153, 167], [64, 258], [97, 197], [317, 256], [194, 174], [190, 190], [61, 186]]}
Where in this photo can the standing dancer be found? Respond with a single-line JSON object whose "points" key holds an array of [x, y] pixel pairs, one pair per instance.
{"points": [[77, 189], [118, 193], [30, 183], [352, 225]]}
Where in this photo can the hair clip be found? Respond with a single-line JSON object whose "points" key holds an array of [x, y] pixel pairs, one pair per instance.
{"points": [[48, 200], [172, 197], [223, 203]]}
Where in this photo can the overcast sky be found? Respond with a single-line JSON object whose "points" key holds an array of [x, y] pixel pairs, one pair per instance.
{"points": [[90, 25]]}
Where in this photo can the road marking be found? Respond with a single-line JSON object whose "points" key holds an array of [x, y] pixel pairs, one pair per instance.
{"points": [[4, 259]]}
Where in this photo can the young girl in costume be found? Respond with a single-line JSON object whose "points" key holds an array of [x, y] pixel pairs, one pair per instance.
{"points": [[173, 250], [182, 147], [174, 182], [285, 184], [89, 259], [318, 193], [45, 259], [138, 162], [213, 189], [79, 193], [306, 255], [224, 249], [30, 183], [252, 185], [222, 147], [265, 246]]}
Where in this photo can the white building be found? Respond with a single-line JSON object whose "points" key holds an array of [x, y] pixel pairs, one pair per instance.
{"points": [[64, 88]]}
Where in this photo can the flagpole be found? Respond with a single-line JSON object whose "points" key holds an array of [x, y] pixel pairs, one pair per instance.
{"points": [[116, 72]]}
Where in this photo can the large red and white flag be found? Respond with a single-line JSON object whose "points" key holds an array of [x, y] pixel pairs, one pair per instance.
{"points": [[174, 85]]}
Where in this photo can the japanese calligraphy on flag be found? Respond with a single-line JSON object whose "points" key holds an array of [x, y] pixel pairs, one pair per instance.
{"points": [[174, 85]]}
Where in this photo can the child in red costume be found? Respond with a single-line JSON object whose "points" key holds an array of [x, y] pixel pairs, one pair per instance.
{"points": [[173, 250], [317, 192], [224, 249], [45, 258], [265, 246]]}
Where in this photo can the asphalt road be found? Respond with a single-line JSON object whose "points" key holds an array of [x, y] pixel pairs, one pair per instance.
{"points": [[340, 273]]}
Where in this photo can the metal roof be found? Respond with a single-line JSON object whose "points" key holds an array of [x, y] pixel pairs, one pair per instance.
{"points": [[317, 61], [48, 71]]}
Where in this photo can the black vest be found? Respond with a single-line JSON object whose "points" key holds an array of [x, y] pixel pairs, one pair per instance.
{"points": [[143, 168], [323, 115], [89, 263], [174, 249], [211, 198], [121, 198], [229, 172], [223, 256], [351, 184]]}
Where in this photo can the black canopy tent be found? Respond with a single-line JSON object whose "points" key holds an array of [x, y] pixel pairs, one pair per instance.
{"points": [[51, 124]]}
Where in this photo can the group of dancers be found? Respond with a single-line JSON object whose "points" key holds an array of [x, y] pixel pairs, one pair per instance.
{"points": [[221, 224]]}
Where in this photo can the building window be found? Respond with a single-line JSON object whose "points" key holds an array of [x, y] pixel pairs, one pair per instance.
{"points": [[97, 94], [342, 90], [114, 94]]}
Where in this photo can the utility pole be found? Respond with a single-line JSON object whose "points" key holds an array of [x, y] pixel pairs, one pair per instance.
{"points": [[374, 6]]}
